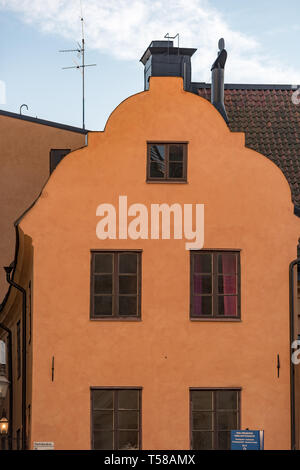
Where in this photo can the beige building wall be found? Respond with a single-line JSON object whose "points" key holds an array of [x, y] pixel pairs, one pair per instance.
{"points": [[24, 164]]}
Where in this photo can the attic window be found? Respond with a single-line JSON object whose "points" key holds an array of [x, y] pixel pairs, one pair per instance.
{"points": [[166, 162], [56, 155]]}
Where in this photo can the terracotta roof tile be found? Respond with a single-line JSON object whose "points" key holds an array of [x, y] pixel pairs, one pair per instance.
{"points": [[271, 123]]}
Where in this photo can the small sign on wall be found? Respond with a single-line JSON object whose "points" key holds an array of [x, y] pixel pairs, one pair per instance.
{"points": [[43, 445], [247, 440]]}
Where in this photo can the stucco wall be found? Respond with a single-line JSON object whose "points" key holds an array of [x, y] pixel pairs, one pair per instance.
{"points": [[247, 206]]}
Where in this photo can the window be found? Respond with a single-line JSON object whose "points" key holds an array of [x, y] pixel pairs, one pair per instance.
{"points": [[115, 284], [18, 349], [213, 414], [56, 155], [215, 284], [116, 419], [167, 162]]}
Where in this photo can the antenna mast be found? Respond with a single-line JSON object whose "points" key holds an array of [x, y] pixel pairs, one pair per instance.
{"points": [[81, 51]]}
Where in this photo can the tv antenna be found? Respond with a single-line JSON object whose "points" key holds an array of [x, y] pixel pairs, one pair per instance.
{"points": [[80, 52]]}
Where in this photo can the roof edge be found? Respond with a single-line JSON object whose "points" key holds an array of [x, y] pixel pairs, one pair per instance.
{"points": [[43, 122]]}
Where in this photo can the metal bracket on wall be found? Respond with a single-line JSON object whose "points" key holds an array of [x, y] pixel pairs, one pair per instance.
{"points": [[52, 369]]}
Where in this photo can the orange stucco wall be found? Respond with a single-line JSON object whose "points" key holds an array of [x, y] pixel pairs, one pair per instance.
{"points": [[24, 160], [247, 206]]}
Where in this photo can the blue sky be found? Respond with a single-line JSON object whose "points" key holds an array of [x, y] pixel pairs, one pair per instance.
{"points": [[262, 40]]}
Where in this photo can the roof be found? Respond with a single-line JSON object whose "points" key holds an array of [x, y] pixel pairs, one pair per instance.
{"points": [[43, 122], [270, 121]]}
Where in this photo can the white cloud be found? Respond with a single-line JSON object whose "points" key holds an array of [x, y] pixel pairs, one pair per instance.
{"points": [[124, 29]]}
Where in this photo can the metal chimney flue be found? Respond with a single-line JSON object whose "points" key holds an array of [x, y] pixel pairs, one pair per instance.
{"points": [[217, 80]]}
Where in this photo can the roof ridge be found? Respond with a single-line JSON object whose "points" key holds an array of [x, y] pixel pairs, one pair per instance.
{"points": [[248, 86]]}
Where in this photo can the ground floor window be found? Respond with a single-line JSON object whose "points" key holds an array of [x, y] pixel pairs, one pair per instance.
{"points": [[116, 418], [213, 414]]}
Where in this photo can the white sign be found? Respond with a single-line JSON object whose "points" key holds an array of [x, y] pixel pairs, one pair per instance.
{"points": [[2, 352], [43, 446]]}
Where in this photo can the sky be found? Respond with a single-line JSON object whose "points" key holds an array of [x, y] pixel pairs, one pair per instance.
{"points": [[261, 38]]}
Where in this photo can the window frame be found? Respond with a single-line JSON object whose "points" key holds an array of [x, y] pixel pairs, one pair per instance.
{"points": [[214, 390], [166, 178], [214, 317], [116, 317], [56, 155], [115, 412]]}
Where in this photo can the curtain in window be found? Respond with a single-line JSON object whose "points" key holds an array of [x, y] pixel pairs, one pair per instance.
{"points": [[228, 269]]}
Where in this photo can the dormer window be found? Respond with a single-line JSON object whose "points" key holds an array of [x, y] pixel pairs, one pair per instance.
{"points": [[166, 162]]}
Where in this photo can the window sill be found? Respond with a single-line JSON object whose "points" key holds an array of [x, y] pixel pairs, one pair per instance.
{"points": [[117, 319], [167, 181], [235, 320]]}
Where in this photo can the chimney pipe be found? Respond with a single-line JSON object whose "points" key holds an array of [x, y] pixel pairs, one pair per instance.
{"points": [[217, 80]]}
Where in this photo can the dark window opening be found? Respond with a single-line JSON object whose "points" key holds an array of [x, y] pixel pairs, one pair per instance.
{"points": [[166, 162], [56, 155], [215, 284], [116, 419], [115, 284], [213, 414]]}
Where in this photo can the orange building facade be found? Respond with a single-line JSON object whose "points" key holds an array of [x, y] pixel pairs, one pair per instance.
{"points": [[146, 343]]}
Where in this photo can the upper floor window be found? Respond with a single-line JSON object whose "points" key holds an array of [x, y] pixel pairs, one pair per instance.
{"points": [[115, 284], [215, 284], [167, 162]]}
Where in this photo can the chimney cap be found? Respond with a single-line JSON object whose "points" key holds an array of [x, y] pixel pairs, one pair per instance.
{"points": [[165, 47]]}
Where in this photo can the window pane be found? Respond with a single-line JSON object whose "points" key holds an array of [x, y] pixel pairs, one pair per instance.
{"points": [[156, 171], [128, 440], [128, 420], [226, 420], [202, 305], [103, 440], [128, 263], [202, 440], [201, 399], [102, 305], [157, 161], [227, 305], [103, 420], [175, 170], [103, 284], [127, 305], [202, 284], [103, 262], [224, 440], [227, 399], [176, 153], [202, 263], [127, 284], [227, 263], [102, 399], [227, 284], [128, 399], [202, 420]]}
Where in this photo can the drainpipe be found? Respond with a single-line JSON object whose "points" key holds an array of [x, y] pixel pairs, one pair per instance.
{"points": [[8, 270], [292, 334], [10, 378]]}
